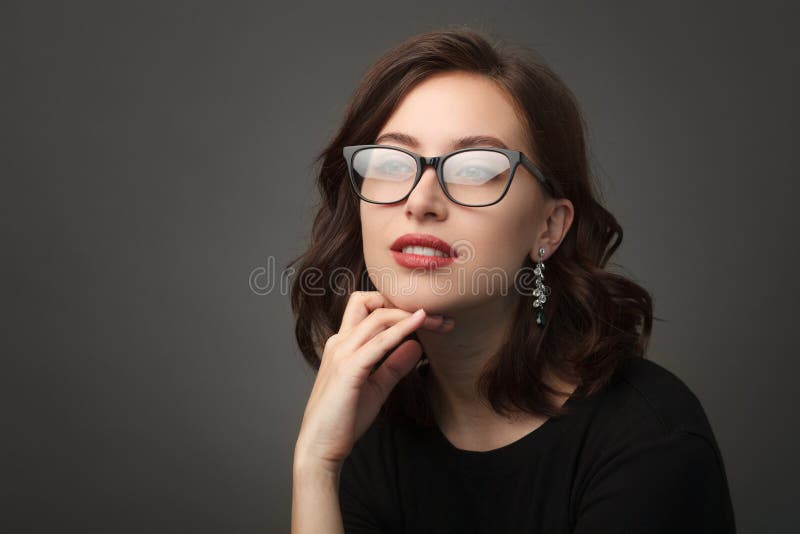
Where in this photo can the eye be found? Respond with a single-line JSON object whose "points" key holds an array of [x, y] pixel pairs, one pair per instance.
{"points": [[394, 166], [476, 173], [475, 167], [386, 164], [471, 173]]}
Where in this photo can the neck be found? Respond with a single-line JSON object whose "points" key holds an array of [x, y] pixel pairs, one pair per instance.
{"points": [[456, 361], [457, 358]]}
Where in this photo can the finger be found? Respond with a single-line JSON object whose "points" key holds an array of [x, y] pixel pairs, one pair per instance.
{"points": [[377, 347], [381, 319], [397, 365], [359, 305]]}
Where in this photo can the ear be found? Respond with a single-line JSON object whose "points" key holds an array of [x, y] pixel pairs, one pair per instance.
{"points": [[557, 219]]}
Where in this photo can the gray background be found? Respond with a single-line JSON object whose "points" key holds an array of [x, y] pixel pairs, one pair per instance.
{"points": [[156, 154]]}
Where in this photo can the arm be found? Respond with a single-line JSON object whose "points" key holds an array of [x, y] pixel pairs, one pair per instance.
{"points": [[672, 484], [328, 498], [315, 500], [360, 365]]}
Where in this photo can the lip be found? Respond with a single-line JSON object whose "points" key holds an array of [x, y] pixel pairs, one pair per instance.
{"points": [[418, 260], [422, 240]]}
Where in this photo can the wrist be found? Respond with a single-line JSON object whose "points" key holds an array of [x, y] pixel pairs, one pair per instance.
{"points": [[307, 465], [315, 473]]}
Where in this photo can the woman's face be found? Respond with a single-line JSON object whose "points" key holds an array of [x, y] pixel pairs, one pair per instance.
{"points": [[492, 241]]}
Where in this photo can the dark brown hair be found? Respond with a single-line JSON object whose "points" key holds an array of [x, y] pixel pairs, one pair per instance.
{"points": [[596, 318]]}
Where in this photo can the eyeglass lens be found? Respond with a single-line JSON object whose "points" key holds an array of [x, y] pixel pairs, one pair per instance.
{"points": [[472, 177]]}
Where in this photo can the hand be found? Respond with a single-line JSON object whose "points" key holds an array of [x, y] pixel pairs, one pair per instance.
{"points": [[347, 395]]}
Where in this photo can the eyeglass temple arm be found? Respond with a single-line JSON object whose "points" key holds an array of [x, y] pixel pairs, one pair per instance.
{"points": [[534, 170]]}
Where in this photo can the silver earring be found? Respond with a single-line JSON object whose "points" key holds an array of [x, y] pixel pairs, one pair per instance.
{"points": [[542, 291]]}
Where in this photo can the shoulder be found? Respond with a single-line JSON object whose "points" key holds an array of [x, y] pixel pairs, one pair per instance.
{"points": [[645, 396], [644, 406], [645, 416], [650, 460]]}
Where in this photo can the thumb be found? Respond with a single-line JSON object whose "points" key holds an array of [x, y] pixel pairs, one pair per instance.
{"points": [[397, 365]]}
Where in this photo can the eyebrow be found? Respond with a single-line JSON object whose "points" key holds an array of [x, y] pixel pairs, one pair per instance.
{"points": [[462, 142]]}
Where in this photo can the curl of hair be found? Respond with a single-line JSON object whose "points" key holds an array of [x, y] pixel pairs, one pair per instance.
{"points": [[596, 318]]}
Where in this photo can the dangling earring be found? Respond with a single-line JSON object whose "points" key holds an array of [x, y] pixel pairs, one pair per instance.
{"points": [[542, 291]]}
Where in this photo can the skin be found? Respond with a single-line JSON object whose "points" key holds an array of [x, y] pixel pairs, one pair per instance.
{"points": [[442, 108]]}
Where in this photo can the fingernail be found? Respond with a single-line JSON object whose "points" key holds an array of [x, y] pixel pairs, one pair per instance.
{"points": [[417, 314]]}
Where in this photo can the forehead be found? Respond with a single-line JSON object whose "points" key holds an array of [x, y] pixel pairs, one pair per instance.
{"points": [[447, 106]]}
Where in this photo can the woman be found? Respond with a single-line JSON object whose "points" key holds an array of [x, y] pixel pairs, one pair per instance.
{"points": [[479, 370]]}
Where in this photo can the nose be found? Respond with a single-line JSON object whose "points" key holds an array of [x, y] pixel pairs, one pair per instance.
{"points": [[427, 200]]}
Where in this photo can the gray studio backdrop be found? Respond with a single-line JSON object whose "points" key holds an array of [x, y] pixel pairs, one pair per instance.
{"points": [[155, 155]]}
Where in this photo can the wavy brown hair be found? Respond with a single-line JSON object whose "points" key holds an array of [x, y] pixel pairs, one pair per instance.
{"points": [[596, 319]]}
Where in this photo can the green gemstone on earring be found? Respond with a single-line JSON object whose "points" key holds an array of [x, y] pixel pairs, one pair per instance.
{"points": [[540, 318]]}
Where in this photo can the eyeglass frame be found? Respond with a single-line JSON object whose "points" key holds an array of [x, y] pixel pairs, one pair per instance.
{"points": [[515, 157]]}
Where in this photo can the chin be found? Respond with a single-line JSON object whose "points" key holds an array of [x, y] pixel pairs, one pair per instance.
{"points": [[432, 303]]}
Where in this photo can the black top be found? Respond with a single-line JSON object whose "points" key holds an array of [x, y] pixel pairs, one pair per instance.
{"points": [[638, 456]]}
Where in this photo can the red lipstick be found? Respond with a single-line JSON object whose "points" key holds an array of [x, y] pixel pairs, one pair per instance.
{"points": [[426, 261]]}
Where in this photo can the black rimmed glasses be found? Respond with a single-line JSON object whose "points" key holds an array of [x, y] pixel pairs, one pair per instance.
{"points": [[473, 177]]}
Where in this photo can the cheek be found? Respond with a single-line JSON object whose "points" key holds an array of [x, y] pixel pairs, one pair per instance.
{"points": [[521, 220], [504, 238], [371, 233]]}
